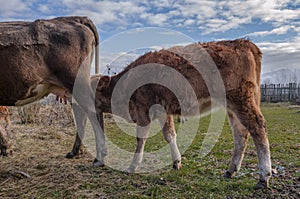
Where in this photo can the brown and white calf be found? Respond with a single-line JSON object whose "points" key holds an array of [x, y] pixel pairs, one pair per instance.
{"points": [[4, 113], [239, 63]]}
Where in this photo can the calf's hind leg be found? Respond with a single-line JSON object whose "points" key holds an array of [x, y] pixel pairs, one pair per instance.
{"points": [[252, 118], [241, 135], [169, 134]]}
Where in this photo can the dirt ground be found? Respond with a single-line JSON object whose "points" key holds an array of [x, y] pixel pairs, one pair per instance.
{"points": [[36, 167]]}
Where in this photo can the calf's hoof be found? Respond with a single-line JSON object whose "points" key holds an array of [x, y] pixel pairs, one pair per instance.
{"points": [[98, 163], [228, 174], [177, 165], [262, 185]]}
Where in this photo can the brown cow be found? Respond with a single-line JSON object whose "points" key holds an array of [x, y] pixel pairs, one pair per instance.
{"points": [[239, 63], [50, 56], [4, 113]]}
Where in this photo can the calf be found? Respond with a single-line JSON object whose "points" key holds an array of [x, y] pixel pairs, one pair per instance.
{"points": [[4, 113], [239, 64]]}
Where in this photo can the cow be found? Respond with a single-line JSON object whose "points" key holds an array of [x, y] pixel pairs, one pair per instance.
{"points": [[239, 64], [50, 56], [4, 113]]}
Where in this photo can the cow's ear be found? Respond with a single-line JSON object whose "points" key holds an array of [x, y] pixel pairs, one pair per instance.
{"points": [[104, 82]]}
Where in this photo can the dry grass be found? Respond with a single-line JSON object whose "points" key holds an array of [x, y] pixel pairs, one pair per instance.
{"points": [[36, 167]]}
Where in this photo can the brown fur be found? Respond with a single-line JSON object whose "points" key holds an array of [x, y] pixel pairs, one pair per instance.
{"points": [[239, 63], [3, 142], [4, 113], [233, 59], [42, 52], [44, 56]]}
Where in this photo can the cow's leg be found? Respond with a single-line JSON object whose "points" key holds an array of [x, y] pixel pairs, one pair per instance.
{"points": [[80, 122], [169, 133], [85, 97], [97, 124], [142, 131], [101, 139], [251, 117], [241, 135]]}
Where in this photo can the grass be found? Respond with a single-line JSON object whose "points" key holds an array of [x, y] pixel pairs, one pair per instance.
{"points": [[38, 150]]}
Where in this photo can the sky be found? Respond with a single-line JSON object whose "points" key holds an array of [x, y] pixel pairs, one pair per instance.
{"points": [[134, 26]]}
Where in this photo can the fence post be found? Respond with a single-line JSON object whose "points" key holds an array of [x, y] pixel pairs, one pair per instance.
{"points": [[290, 91]]}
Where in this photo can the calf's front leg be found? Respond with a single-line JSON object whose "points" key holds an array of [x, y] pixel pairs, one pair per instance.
{"points": [[169, 134], [142, 134]]}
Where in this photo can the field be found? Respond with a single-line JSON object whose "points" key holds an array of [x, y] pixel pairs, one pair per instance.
{"points": [[36, 167]]}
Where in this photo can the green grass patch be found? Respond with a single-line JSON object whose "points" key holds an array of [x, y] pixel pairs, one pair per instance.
{"points": [[39, 151]]}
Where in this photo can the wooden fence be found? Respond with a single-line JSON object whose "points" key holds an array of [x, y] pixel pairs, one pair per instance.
{"points": [[280, 92]]}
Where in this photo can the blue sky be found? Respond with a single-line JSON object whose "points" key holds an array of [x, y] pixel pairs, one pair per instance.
{"points": [[273, 25]]}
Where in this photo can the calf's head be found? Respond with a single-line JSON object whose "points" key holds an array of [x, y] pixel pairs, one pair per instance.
{"points": [[102, 87]]}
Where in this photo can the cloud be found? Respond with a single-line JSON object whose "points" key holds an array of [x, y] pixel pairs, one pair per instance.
{"points": [[155, 19], [281, 47], [13, 8], [222, 25], [106, 12], [205, 15], [276, 31], [267, 11], [203, 19], [280, 55], [277, 60]]}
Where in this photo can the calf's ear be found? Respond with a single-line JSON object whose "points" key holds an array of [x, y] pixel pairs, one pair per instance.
{"points": [[104, 82]]}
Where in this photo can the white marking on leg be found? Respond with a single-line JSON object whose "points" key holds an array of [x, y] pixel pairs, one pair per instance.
{"points": [[142, 134], [169, 134]]}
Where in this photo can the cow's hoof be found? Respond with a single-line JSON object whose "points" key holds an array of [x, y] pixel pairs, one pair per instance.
{"points": [[262, 185], [177, 165], [98, 163], [228, 174], [132, 168], [3, 152], [70, 155]]}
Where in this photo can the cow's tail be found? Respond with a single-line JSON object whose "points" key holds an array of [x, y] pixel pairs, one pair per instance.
{"points": [[93, 28]]}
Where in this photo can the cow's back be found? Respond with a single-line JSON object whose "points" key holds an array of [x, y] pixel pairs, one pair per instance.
{"points": [[42, 53], [238, 63], [236, 60]]}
